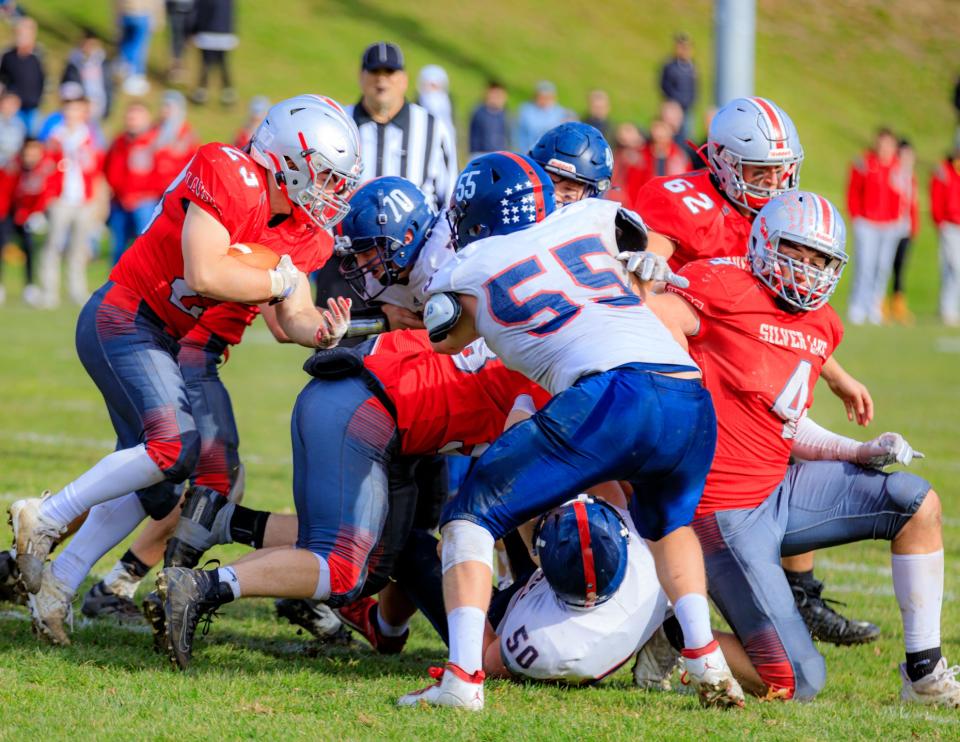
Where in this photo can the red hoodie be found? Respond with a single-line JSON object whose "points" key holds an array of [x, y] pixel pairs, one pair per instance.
{"points": [[871, 193], [945, 194], [130, 169]]}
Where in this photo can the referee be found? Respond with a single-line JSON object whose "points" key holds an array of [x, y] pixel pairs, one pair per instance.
{"points": [[396, 138]]}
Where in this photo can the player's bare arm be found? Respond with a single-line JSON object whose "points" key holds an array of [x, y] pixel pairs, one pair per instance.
{"points": [[677, 314], [854, 395], [269, 313], [308, 325], [660, 244], [208, 269], [401, 318]]}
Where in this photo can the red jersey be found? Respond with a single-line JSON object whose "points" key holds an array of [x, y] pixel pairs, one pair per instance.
{"points": [[699, 219], [130, 169], [760, 364], [308, 246], [229, 186], [446, 403], [33, 190]]}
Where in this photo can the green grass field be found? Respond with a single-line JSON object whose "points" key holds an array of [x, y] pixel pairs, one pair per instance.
{"points": [[840, 69]]}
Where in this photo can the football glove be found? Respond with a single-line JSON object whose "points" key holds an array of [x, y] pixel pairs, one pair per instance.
{"points": [[334, 323], [440, 315], [283, 279], [648, 266], [886, 449]]}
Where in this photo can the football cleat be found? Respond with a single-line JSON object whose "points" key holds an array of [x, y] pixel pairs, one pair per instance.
{"points": [[100, 602], [939, 688], [152, 608], [188, 595], [33, 538], [10, 590], [707, 671], [316, 618], [824, 623], [454, 688], [51, 610], [361, 616], [656, 661]]}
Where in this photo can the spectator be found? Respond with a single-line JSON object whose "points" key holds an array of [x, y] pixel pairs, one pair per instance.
{"points": [[214, 38], [137, 20], [87, 65], [945, 205], [874, 206], [21, 71], [433, 93], [538, 116], [31, 194], [176, 141], [489, 128], [259, 105], [678, 80], [627, 143], [180, 18], [12, 135], [489, 125], [906, 184], [79, 161], [659, 156], [598, 112], [131, 173]]}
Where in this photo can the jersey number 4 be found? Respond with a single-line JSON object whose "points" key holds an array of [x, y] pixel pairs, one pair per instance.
{"points": [[792, 399], [508, 310]]}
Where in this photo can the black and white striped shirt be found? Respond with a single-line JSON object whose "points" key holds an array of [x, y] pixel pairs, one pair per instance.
{"points": [[414, 144]]}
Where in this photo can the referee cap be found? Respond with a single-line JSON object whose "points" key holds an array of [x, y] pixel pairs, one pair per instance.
{"points": [[382, 56]]}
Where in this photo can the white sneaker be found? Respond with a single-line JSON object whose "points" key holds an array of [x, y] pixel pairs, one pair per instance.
{"points": [[3, 296], [136, 85], [711, 678], [656, 661], [939, 688], [456, 689], [32, 295], [33, 538], [51, 609]]}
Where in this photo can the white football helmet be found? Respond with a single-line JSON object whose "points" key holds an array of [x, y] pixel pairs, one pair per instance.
{"points": [[313, 149], [805, 219], [753, 131]]}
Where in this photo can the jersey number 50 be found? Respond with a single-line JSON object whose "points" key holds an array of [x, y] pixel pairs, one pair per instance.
{"points": [[507, 309]]}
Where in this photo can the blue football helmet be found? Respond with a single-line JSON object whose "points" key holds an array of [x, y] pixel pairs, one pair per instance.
{"points": [[391, 217], [496, 194], [582, 547], [579, 152]]}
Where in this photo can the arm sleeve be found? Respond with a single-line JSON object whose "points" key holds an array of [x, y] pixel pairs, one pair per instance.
{"points": [[815, 443]]}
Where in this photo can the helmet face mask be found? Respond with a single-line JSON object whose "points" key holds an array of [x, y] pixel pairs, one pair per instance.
{"points": [[797, 249], [753, 133], [313, 150], [390, 220]]}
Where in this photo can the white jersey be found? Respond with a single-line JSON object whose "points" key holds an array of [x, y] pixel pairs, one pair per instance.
{"points": [[543, 638], [553, 300], [435, 253]]}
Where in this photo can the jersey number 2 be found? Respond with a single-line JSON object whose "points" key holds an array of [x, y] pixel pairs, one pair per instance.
{"points": [[571, 256]]}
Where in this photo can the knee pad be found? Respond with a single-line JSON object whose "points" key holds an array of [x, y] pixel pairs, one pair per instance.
{"points": [[176, 456], [465, 541], [906, 490]]}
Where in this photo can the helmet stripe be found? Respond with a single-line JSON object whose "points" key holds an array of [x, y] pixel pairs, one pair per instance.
{"points": [[773, 117], [826, 215], [589, 572], [533, 178]]}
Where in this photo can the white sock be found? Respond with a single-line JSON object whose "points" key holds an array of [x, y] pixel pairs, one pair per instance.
{"points": [[693, 613], [918, 585], [466, 626], [115, 475], [227, 575], [120, 582], [106, 526], [388, 629], [322, 591]]}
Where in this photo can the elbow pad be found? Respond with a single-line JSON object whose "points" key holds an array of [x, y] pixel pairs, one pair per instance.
{"points": [[440, 315], [631, 231]]}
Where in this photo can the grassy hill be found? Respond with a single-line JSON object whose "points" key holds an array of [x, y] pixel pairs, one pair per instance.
{"points": [[840, 69]]}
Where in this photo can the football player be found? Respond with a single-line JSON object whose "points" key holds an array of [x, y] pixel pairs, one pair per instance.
{"points": [[767, 329], [546, 292], [302, 164], [753, 153], [578, 160]]}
